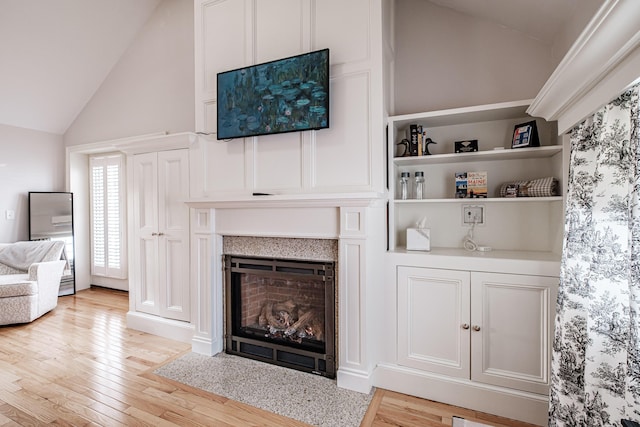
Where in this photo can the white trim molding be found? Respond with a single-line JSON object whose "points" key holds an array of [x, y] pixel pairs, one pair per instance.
{"points": [[601, 64]]}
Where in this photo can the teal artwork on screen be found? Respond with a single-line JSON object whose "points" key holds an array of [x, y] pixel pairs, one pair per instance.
{"points": [[287, 95]]}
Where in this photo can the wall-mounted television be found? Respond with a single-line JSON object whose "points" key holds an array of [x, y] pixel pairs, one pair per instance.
{"points": [[286, 95]]}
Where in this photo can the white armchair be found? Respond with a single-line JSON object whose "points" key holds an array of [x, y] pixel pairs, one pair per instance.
{"points": [[27, 295]]}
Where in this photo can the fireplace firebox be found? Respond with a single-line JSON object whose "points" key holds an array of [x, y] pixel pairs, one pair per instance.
{"points": [[281, 312]]}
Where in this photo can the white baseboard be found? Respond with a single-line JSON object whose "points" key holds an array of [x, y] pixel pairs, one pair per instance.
{"points": [[206, 346], [354, 380], [514, 404], [167, 328]]}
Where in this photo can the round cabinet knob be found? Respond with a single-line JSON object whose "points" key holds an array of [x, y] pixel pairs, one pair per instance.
{"points": [[476, 328], [465, 326]]}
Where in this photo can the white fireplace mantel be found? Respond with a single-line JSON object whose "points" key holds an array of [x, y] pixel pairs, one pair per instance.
{"points": [[289, 201], [356, 221]]}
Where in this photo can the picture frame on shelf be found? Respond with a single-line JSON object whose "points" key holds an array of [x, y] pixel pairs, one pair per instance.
{"points": [[525, 135], [466, 146]]}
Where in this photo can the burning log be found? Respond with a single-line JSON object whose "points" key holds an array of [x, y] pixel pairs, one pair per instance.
{"points": [[292, 320], [271, 316], [308, 324]]}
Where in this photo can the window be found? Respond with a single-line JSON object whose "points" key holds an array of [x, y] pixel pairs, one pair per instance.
{"points": [[108, 255]]}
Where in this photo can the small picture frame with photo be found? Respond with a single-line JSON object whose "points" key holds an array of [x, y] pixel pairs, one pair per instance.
{"points": [[525, 135]]}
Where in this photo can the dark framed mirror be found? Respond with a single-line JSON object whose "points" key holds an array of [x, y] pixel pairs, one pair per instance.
{"points": [[51, 218]]}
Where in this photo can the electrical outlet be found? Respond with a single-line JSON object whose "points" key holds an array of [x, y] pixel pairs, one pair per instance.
{"points": [[472, 214], [10, 214]]}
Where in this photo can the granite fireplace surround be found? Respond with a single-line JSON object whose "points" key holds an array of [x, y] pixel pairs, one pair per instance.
{"points": [[345, 231]]}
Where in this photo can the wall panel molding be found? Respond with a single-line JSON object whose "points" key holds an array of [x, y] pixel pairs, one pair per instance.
{"points": [[350, 123]]}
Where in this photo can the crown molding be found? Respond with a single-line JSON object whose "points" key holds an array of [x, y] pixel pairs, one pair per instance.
{"points": [[603, 61]]}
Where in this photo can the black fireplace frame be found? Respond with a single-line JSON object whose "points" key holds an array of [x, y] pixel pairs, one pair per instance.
{"points": [[317, 361]]}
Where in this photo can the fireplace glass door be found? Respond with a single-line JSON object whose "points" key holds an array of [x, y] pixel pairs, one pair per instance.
{"points": [[282, 312]]}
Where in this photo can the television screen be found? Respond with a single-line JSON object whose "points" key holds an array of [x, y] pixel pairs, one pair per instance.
{"points": [[287, 95]]}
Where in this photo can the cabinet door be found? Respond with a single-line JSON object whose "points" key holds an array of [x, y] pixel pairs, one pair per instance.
{"points": [[173, 234], [512, 324], [433, 320], [144, 269]]}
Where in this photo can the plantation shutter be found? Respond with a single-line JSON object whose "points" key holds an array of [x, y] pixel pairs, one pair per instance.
{"points": [[107, 216]]}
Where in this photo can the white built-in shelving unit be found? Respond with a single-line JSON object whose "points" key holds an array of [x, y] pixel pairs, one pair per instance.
{"points": [[522, 224], [458, 311]]}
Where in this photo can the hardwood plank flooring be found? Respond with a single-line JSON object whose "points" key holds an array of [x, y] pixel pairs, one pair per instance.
{"points": [[79, 365]]}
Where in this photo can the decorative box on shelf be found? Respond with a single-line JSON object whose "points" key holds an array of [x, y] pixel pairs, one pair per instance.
{"points": [[418, 239]]}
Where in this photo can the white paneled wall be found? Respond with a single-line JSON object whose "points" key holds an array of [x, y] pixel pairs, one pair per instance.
{"points": [[282, 29], [342, 154], [348, 157]]}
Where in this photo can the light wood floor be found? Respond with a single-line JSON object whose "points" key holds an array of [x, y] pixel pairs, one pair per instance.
{"points": [[80, 366]]}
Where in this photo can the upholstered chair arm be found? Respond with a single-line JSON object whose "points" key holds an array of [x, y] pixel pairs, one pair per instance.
{"points": [[48, 275]]}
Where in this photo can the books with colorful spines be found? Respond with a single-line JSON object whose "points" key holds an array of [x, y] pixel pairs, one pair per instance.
{"points": [[413, 140], [461, 185], [420, 139], [477, 184]]}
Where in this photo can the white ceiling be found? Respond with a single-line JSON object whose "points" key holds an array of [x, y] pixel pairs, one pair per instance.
{"points": [[56, 53], [540, 19]]}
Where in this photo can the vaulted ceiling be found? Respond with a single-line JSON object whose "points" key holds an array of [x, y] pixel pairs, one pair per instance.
{"points": [[540, 19], [56, 53]]}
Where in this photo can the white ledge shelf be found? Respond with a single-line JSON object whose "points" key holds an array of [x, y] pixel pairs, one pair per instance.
{"points": [[478, 156], [289, 200], [484, 200], [540, 263], [494, 254], [474, 114]]}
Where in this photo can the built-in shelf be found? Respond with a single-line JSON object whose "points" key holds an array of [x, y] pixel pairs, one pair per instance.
{"points": [[493, 254], [478, 156], [484, 200], [537, 263], [492, 125], [475, 114]]}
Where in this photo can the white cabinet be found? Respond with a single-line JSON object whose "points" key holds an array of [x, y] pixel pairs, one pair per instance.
{"points": [[487, 327], [511, 329], [433, 305], [511, 224], [160, 267]]}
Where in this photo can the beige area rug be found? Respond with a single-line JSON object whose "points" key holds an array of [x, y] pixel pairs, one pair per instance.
{"points": [[299, 395]]}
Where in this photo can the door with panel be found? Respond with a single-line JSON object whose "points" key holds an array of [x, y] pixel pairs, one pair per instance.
{"points": [[434, 320], [161, 223], [512, 321]]}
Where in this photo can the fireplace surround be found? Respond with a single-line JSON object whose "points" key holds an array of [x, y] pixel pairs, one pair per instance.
{"points": [[339, 229], [281, 311]]}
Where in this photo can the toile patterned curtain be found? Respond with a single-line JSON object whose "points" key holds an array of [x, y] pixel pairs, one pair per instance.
{"points": [[595, 375]]}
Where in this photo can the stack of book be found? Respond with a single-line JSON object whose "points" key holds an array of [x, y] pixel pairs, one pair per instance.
{"points": [[416, 140]]}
